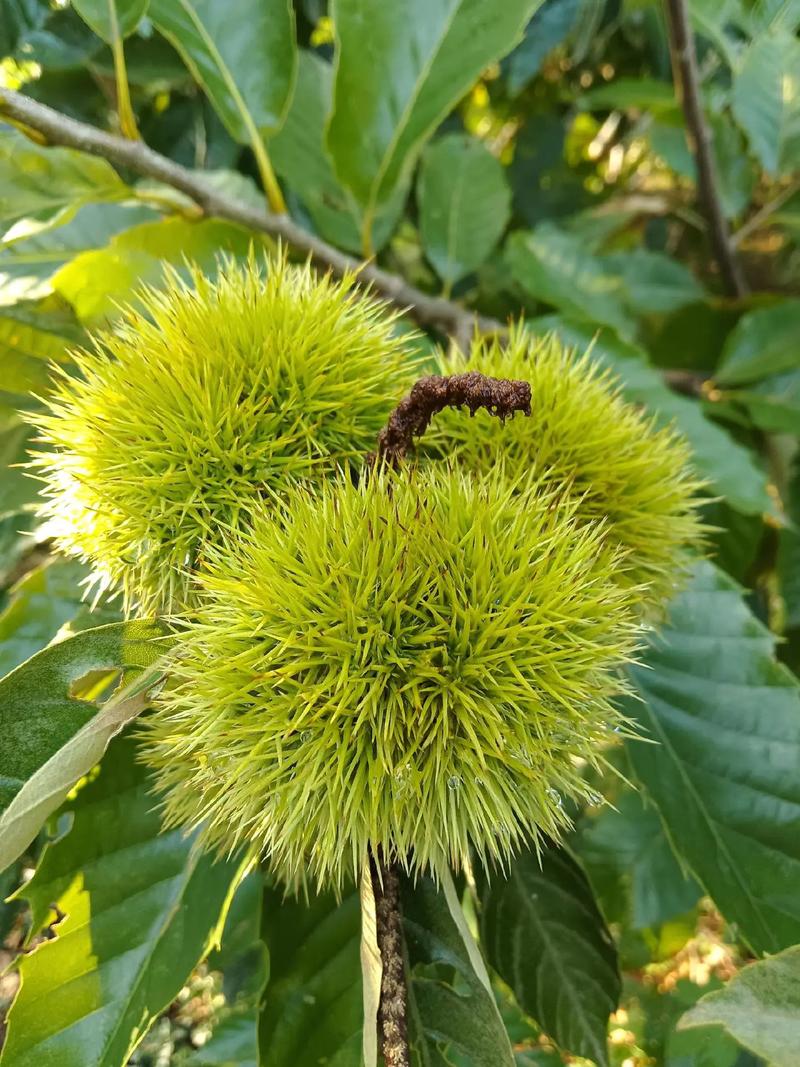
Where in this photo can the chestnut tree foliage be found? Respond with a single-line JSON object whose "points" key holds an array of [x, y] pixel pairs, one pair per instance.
{"points": [[550, 163]]}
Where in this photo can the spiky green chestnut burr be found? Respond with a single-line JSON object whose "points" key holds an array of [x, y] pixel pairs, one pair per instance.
{"points": [[416, 665], [584, 437], [208, 397]]}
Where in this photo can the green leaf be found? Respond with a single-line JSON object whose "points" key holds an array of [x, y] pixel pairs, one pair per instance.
{"points": [[44, 181], [766, 94], [300, 157], [547, 29], [33, 339], [142, 908], [312, 1010], [729, 467], [48, 737], [789, 554], [724, 772], [464, 202], [245, 61], [763, 342], [645, 94], [31, 252], [41, 604], [111, 19], [760, 1007], [544, 935], [244, 961], [631, 838], [399, 70], [451, 1008], [553, 266], [773, 404], [17, 489], [95, 283], [653, 282]]}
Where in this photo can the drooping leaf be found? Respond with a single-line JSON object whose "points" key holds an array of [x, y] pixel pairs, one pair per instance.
{"points": [[724, 772], [464, 202], [312, 1011], [729, 468], [763, 342], [772, 404], [544, 935], [300, 157], [39, 181], [447, 1016], [766, 95], [760, 1007], [547, 29], [398, 72], [48, 737], [244, 60], [111, 18], [141, 909]]}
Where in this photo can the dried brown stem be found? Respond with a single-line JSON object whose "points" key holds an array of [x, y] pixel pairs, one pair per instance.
{"points": [[684, 61], [412, 416], [392, 1013]]}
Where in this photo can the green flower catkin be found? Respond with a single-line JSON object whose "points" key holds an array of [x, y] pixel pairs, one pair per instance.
{"points": [[584, 437], [418, 664], [206, 398]]}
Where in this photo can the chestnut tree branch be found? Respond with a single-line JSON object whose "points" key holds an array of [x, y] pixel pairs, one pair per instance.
{"points": [[684, 61], [57, 129]]}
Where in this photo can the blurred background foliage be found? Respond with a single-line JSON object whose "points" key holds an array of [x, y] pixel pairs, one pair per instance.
{"points": [[552, 179]]}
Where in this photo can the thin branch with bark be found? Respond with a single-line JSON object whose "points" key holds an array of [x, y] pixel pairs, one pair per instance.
{"points": [[392, 1013], [58, 129], [687, 80]]}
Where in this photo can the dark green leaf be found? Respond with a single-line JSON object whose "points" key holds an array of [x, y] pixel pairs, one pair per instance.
{"points": [[789, 555], [142, 908], [724, 771], [451, 1010], [313, 1003], [544, 935], [631, 838], [760, 1007], [553, 266], [245, 63], [547, 29], [729, 468], [464, 202], [399, 71], [653, 281], [764, 342], [41, 604], [773, 404]]}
